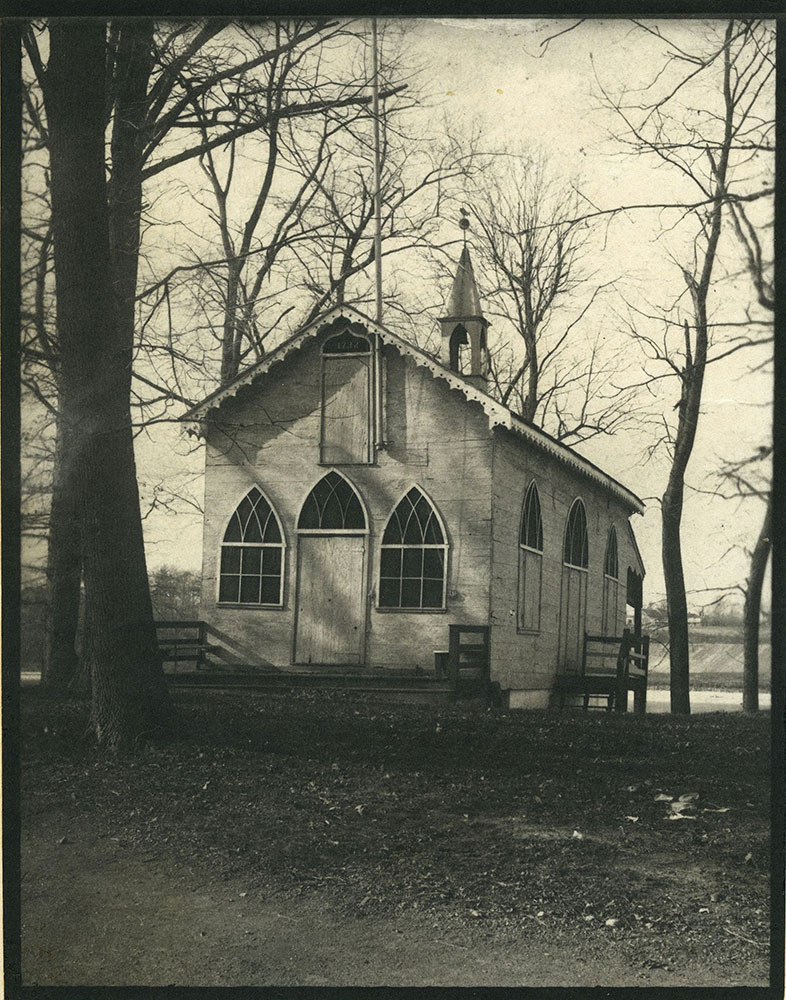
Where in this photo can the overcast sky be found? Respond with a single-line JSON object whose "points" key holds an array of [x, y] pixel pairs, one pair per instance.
{"points": [[498, 73]]}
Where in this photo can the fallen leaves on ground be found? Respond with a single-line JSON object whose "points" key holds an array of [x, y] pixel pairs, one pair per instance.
{"points": [[516, 819]]}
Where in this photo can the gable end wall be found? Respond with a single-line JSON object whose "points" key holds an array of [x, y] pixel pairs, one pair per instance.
{"points": [[268, 436]]}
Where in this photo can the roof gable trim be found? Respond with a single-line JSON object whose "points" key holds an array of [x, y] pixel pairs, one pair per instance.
{"points": [[498, 415]]}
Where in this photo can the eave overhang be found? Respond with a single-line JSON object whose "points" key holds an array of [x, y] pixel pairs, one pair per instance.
{"points": [[197, 418]]}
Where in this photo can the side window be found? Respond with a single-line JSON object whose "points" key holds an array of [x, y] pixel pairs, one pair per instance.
{"points": [[252, 555], [610, 584], [346, 400], [530, 561], [414, 556], [576, 550]]}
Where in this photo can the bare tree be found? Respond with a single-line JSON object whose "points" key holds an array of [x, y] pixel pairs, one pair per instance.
{"points": [[706, 115], [419, 176], [154, 80], [532, 254], [744, 479], [293, 152], [129, 695]]}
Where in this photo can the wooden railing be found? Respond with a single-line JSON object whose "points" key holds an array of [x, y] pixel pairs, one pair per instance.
{"points": [[620, 665], [200, 645], [468, 660]]}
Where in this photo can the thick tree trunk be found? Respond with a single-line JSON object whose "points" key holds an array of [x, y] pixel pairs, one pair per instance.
{"points": [[64, 567], [129, 693], [750, 673]]}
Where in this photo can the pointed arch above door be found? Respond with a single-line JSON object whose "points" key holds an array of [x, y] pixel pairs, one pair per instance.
{"points": [[331, 574], [333, 505]]}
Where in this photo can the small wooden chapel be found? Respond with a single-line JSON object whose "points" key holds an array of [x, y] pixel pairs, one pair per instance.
{"points": [[362, 496]]}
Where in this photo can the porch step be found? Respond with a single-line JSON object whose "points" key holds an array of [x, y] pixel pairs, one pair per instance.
{"points": [[398, 686], [308, 679]]}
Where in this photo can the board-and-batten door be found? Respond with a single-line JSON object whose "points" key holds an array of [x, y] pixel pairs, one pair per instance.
{"points": [[330, 610], [572, 618], [346, 410]]}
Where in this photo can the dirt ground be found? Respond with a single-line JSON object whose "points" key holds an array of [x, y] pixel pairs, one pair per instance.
{"points": [[97, 913], [298, 841]]}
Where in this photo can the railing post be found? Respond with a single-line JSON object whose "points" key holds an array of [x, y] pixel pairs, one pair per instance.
{"points": [[202, 641], [623, 662], [453, 658], [640, 698]]}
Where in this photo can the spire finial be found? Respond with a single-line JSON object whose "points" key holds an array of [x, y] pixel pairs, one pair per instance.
{"points": [[464, 222]]}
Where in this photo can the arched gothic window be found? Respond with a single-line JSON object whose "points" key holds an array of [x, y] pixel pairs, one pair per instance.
{"points": [[576, 551], [530, 561], [414, 556], [610, 584], [332, 505], [251, 554], [610, 564]]}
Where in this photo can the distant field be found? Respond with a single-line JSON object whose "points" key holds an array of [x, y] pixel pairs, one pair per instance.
{"points": [[712, 665], [716, 680]]}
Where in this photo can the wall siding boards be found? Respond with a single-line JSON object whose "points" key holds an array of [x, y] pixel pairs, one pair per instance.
{"points": [[528, 661], [269, 435]]}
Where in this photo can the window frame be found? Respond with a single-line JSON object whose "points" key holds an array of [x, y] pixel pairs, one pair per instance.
{"points": [[282, 546], [521, 628], [610, 582], [577, 503], [444, 547]]}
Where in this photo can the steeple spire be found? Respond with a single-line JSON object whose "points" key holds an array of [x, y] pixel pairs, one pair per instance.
{"points": [[464, 298], [465, 325]]}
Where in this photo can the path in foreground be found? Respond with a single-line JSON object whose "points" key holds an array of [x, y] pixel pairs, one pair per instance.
{"points": [[94, 913]]}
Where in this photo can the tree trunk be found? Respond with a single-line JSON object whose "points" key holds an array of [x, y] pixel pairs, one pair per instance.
{"points": [[676, 601], [64, 568], [750, 671], [672, 501], [230, 356], [129, 692]]}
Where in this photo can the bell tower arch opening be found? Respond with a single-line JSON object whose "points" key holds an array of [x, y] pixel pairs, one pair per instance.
{"points": [[464, 342]]}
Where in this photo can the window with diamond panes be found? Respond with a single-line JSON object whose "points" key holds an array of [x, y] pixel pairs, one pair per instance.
{"points": [[252, 554], [413, 556], [576, 551], [530, 561], [332, 505]]}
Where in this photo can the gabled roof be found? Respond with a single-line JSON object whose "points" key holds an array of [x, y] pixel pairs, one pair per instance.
{"points": [[498, 414]]}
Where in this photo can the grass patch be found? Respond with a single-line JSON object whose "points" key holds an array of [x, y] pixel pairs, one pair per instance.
{"points": [[546, 821]]}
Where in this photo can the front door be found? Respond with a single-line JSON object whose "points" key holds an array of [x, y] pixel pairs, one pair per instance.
{"points": [[330, 603]]}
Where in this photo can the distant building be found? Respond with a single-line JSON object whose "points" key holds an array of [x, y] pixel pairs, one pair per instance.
{"points": [[361, 495]]}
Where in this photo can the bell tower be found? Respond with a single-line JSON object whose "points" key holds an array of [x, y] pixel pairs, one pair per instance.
{"points": [[463, 348]]}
